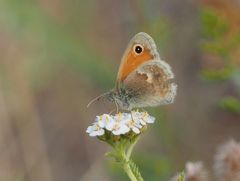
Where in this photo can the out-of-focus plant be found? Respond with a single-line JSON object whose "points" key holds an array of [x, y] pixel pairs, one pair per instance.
{"points": [[231, 104], [181, 177], [220, 45], [194, 171], [49, 44], [226, 165], [227, 162], [214, 29]]}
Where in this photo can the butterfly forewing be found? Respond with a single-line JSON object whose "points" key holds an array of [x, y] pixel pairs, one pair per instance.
{"points": [[132, 59]]}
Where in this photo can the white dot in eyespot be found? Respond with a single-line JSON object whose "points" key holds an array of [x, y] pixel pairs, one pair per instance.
{"points": [[138, 49]]}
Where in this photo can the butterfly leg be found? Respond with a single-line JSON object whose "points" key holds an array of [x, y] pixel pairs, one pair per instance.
{"points": [[116, 106], [144, 110], [132, 116], [112, 111]]}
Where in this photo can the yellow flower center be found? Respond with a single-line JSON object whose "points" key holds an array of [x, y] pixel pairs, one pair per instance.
{"points": [[116, 126]]}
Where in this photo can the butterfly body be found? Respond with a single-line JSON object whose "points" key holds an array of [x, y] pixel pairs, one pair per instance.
{"points": [[144, 80], [122, 97]]}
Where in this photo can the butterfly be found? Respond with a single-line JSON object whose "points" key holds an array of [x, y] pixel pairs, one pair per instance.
{"points": [[143, 79]]}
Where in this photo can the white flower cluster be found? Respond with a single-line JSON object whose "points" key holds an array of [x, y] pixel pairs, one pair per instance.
{"points": [[120, 123]]}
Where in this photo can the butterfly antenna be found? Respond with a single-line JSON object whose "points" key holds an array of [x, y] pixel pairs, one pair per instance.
{"points": [[96, 99]]}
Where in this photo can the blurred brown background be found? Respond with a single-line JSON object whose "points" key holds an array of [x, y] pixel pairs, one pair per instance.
{"points": [[55, 56]]}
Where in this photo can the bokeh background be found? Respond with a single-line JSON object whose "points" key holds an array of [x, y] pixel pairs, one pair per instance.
{"points": [[56, 55]]}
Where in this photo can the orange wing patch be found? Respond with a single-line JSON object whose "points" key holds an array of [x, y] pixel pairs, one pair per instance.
{"points": [[132, 61]]}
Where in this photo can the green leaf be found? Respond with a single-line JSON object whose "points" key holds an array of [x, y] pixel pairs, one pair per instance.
{"points": [[135, 170], [217, 75], [213, 24], [230, 104]]}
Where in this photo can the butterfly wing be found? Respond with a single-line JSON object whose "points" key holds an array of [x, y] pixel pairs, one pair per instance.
{"points": [[143, 77], [149, 85], [131, 59]]}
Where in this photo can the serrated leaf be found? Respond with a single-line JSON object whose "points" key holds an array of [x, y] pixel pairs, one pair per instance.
{"points": [[111, 154], [135, 170]]}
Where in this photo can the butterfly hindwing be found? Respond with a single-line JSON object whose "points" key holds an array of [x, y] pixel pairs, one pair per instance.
{"points": [[149, 84]]}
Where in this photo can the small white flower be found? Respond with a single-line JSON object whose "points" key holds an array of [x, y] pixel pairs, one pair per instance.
{"points": [[138, 117], [133, 123], [142, 117], [120, 128], [110, 125], [104, 120], [95, 130], [117, 126], [120, 123], [147, 118]]}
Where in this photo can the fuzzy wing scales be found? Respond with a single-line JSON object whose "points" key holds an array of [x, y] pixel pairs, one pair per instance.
{"points": [[150, 86]]}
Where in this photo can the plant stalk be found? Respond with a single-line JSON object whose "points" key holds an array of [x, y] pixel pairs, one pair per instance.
{"points": [[129, 172], [126, 166]]}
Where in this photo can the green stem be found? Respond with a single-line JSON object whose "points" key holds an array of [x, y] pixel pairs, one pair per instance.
{"points": [[130, 149], [129, 172], [126, 157], [123, 150]]}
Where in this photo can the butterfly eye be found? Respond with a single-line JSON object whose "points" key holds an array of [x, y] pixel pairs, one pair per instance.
{"points": [[138, 49]]}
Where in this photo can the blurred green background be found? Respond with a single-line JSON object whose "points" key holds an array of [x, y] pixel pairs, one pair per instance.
{"points": [[56, 55]]}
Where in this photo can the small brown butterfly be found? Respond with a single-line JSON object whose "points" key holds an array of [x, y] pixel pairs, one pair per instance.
{"points": [[143, 79]]}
